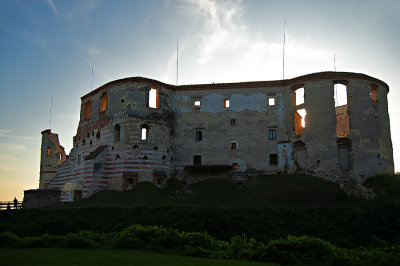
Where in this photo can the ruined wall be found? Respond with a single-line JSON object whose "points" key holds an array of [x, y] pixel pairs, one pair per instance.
{"points": [[225, 130]]}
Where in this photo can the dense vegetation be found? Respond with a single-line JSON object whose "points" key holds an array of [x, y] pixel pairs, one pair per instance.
{"points": [[266, 208], [290, 250]]}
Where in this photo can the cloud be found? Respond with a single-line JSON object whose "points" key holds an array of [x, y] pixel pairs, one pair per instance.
{"points": [[6, 133], [53, 6]]}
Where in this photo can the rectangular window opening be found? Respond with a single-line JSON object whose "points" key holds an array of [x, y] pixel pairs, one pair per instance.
{"points": [[273, 159], [233, 122], [199, 135], [153, 98], [233, 146], [374, 93], [226, 103], [272, 134], [300, 121], [197, 160], [144, 133], [235, 166], [271, 101], [340, 94], [197, 104], [298, 96]]}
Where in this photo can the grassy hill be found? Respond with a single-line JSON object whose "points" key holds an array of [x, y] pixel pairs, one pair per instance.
{"points": [[266, 190], [267, 207]]}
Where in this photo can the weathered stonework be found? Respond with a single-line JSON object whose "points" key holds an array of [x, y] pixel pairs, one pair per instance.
{"points": [[223, 130]]}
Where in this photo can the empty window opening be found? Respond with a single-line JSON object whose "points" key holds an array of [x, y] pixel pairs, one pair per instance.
{"points": [[271, 101], [154, 97], [92, 133], [144, 133], [117, 157], [299, 96], [197, 160], [48, 152], [79, 159], [164, 157], [344, 147], [300, 121], [155, 148], [342, 121], [88, 106], [272, 134], [233, 146], [117, 133], [235, 166], [197, 104], [300, 154], [98, 135], [135, 147], [273, 159], [91, 142], [233, 122], [103, 102], [122, 100], [199, 135], [340, 94], [145, 158], [88, 135], [226, 103], [83, 142], [374, 93]]}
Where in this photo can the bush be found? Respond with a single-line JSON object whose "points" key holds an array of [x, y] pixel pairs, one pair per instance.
{"points": [[83, 239], [8, 239]]}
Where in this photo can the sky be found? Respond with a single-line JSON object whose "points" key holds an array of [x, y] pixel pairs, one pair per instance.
{"points": [[48, 49]]}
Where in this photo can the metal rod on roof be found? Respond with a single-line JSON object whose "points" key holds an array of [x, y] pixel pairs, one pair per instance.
{"points": [[51, 105], [334, 61], [177, 63], [284, 42], [91, 82]]}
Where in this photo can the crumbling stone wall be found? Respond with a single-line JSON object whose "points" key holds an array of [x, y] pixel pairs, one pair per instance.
{"points": [[234, 129]]}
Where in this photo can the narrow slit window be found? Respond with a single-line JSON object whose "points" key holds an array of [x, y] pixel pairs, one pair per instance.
{"points": [[199, 135], [154, 98], [226, 103], [144, 133], [117, 133], [340, 94]]}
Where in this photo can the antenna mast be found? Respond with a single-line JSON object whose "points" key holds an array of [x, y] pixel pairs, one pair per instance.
{"points": [[177, 46], [334, 61], [91, 82], [51, 105], [284, 41]]}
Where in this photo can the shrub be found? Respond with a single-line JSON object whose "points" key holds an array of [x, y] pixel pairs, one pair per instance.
{"points": [[8, 239]]}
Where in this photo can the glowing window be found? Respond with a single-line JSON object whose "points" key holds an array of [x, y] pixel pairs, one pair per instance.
{"points": [[300, 121], [154, 97], [271, 101], [48, 152], [374, 93], [235, 166]]}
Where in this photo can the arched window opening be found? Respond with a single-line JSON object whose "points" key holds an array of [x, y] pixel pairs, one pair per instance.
{"points": [[144, 132], [135, 147], [117, 133], [103, 102], [154, 97], [117, 157], [88, 106], [155, 148], [145, 158]]}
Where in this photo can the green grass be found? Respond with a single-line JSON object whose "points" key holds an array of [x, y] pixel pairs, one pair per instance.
{"points": [[98, 257]]}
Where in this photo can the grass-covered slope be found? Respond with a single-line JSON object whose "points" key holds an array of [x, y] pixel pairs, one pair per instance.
{"points": [[289, 190], [268, 207]]}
